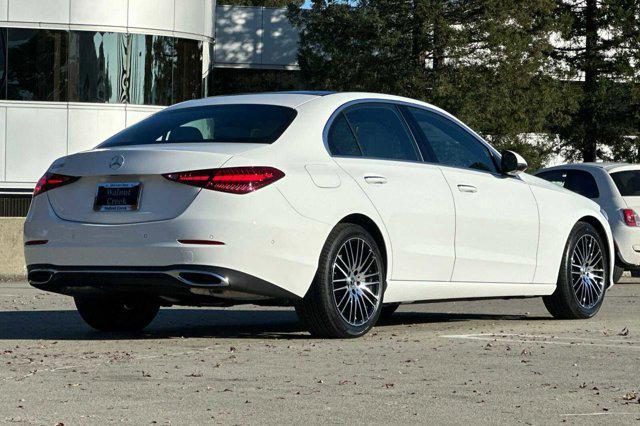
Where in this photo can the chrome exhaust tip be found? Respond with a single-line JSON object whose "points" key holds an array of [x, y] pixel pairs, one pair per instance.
{"points": [[40, 276], [201, 278]]}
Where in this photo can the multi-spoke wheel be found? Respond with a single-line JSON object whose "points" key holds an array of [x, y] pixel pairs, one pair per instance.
{"points": [[357, 283], [346, 296], [583, 277], [587, 271]]}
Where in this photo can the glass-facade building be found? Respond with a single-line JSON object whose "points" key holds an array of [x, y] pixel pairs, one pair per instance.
{"points": [[74, 72], [99, 67]]}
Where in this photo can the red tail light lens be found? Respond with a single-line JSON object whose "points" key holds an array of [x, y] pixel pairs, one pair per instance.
{"points": [[51, 181], [235, 180], [630, 217]]}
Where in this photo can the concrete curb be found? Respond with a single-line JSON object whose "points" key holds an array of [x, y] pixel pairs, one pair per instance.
{"points": [[12, 265]]}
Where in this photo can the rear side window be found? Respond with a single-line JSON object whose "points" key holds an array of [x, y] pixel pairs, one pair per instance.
{"points": [[341, 139], [381, 133], [578, 181], [628, 182], [250, 123]]}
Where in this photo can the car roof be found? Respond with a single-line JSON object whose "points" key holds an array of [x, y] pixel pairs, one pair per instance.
{"points": [[293, 99], [609, 167]]}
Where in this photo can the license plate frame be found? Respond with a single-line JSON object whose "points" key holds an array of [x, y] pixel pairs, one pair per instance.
{"points": [[106, 199]]}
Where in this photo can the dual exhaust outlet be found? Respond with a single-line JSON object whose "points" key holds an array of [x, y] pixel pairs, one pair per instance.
{"points": [[192, 278]]}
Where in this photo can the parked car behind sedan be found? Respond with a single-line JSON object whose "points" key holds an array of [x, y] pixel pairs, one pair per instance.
{"points": [[616, 188]]}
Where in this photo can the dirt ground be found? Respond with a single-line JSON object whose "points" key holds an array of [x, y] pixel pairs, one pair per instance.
{"points": [[463, 362]]}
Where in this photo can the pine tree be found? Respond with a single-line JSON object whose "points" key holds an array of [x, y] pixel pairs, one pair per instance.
{"points": [[483, 60], [596, 50]]}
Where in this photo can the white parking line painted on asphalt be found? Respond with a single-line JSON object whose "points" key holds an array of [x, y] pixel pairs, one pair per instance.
{"points": [[604, 413], [552, 340]]}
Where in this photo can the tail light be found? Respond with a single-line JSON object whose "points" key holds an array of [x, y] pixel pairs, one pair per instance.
{"points": [[630, 217], [235, 180], [51, 181]]}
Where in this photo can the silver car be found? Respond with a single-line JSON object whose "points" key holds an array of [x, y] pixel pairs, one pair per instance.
{"points": [[616, 188]]}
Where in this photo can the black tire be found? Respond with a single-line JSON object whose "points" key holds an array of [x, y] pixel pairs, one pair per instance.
{"points": [[319, 309], [388, 310], [116, 315], [635, 273], [617, 273], [565, 303]]}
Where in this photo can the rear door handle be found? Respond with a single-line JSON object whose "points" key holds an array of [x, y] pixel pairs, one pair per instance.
{"points": [[375, 180], [467, 188]]}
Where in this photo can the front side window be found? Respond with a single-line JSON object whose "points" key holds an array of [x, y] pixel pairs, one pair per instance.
{"points": [[38, 65], [557, 177], [451, 144], [250, 123], [381, 133], [578, 181], [627, 182], [582, 182]]}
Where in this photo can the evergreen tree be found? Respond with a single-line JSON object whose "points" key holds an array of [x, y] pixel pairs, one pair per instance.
{"points": [[598, 56], [483, 60], [262, 3]]}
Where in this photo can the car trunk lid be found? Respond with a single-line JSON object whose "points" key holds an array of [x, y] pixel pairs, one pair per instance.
{"points": [[132, 176]]}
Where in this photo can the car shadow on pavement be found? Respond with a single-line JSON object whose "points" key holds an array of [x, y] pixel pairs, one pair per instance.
{"points": [[202, 323]]}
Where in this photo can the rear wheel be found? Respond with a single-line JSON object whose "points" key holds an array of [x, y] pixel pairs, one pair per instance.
{"points": [[345, 298], [583, 276], [116, 315]]}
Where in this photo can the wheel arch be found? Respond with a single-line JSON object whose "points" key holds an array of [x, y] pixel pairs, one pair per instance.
{"points": [[601, 230], [372, 228]]}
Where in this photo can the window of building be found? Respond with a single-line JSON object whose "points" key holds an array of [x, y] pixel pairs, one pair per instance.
{"points": [[101, 67], [151, 63], [381, 133], [187, 70], [96, 66], [451, 144], [37, 62], [341, 140], [3, 63]]}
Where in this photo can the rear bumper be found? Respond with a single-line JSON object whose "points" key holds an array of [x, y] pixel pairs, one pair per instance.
{"points": [[262, 236], [627, 242], [197, 285]]}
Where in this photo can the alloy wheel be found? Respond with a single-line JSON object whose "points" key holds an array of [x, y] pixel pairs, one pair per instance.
{"points": [[587, 271], [357, 281]]}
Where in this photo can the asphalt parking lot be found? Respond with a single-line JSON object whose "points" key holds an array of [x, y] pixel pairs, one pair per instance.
{"points": [[463, 362]]}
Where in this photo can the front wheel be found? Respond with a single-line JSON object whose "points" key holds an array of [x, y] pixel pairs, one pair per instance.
{"points": [[116, 315], [345, 297], [583, 276]]}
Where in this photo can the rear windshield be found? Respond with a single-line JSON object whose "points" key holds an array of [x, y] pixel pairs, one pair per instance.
{"points": [[208, 124], [628, 182]]}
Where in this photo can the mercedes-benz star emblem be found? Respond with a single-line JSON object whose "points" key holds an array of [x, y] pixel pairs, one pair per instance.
{"points": [[116, 162]]}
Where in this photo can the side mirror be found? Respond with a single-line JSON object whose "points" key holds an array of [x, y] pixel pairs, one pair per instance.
{"points": [[512, 163]]}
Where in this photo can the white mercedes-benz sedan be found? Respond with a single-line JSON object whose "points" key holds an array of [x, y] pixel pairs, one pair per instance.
{"points": [[344, 205]]}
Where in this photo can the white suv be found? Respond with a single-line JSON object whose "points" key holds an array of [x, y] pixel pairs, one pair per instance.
{"points": [[616, 188]]}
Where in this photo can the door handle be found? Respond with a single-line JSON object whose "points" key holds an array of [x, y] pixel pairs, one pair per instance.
{"points": [[375, 180], [467, 188]]}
